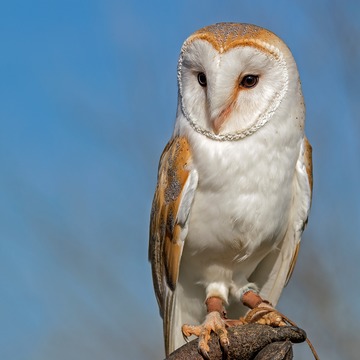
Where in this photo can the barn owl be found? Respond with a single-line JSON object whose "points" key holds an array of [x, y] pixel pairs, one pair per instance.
{"points": [[234, 183]]}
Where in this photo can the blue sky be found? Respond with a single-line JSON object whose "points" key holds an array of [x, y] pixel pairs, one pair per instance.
{"points": [[88, 99]]}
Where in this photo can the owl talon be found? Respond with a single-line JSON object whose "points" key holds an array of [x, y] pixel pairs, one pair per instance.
{"points": [[265, 314], [204, 353], [213, 322], [225, 347]]}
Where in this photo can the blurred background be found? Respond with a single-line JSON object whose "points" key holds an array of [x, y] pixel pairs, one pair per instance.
{"points": [[88, 97]]}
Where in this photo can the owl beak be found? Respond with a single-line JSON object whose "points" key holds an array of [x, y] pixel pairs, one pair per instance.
{"points": [[219, 121]]}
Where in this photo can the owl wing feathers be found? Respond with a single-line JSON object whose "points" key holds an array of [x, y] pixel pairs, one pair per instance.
{"points": [[276, 269], [171, 206], [306, 161]]}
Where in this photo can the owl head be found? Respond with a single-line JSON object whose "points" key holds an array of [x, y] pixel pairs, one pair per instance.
{"points": [[233, 78]]}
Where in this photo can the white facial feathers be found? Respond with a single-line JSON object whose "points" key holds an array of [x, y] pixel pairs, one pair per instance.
{"points": [[223, 109]]}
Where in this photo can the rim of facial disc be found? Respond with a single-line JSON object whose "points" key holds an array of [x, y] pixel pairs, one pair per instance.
{"points": [[262, 118]]}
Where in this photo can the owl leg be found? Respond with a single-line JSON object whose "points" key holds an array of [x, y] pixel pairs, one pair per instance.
{"points": [[214, 321], [262, 312]]}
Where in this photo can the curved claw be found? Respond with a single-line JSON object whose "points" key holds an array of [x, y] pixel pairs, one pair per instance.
{"points": [[224, 340], [213, 322], [203, 353], [266, 315], [225, 347], [186, 339]]}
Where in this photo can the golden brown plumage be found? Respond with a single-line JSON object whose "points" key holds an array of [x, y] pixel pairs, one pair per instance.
{"points": [[165, 245], [164, 228]]}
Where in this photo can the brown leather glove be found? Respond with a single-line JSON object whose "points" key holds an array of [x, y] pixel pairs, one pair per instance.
{"points": [[248, 342]]}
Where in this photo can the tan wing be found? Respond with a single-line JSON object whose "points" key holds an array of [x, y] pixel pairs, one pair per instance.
{"points": [[276, 269], [168, 222]]}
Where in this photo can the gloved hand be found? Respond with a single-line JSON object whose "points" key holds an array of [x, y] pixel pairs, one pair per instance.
{"points": [[248, 342]]}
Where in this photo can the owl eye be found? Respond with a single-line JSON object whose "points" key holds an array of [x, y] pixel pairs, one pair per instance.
{"points": [[202, 79], [249, 81]]}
